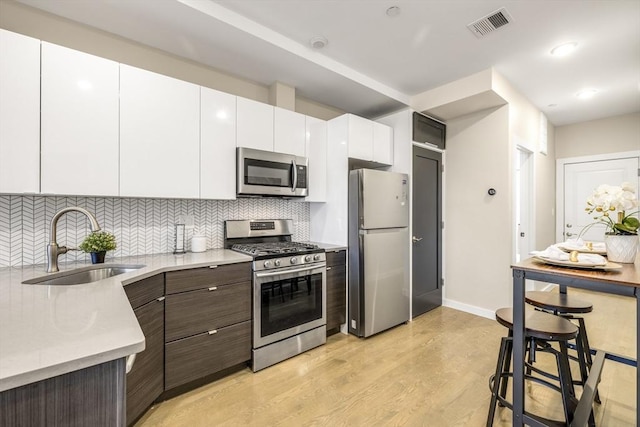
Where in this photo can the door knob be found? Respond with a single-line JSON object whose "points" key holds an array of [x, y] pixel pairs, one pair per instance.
{"points": [[569, 225], [569, 234], [416, 239]]}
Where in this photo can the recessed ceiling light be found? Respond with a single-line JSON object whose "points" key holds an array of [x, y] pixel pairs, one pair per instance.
{"points": [[564, 49], [318, 42], [586, 93], [393, 11]]}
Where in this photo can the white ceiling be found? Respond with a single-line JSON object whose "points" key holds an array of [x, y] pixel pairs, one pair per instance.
{"points": [[374, 63]]}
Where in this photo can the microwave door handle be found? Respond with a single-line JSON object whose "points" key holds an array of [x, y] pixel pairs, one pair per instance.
{"points": [[295, 176]]}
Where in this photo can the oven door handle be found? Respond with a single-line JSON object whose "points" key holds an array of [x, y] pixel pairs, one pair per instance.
{"points": [[294, 270]]}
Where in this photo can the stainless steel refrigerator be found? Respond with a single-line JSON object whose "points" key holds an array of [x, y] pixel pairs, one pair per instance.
{"points": [[378, 251]]}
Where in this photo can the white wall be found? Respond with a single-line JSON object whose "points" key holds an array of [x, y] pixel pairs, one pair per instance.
{"points": [[616, 134], [478, 226]]}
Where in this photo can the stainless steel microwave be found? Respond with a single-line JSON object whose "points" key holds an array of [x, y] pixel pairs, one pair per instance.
{"points": [[265, 173]]}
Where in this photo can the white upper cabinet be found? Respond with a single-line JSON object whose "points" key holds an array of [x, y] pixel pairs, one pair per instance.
{"points": [[367, 140], [159, 135], [19, 113], [289, 132], [360, 137], [255, 124], [316, 151], [79, 137], [382, 143], [217, 144]]}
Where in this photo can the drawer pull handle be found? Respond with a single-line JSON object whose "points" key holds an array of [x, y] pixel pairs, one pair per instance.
{"points": [[328, 268], [213, 288], [213, 266], [160, 299], [215, 331]]}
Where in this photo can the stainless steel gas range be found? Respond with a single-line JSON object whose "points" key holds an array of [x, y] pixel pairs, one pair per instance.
{"points": [[289, 289]]}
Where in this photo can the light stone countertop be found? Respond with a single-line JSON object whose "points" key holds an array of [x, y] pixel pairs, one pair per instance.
{"points": [[47, 331]]}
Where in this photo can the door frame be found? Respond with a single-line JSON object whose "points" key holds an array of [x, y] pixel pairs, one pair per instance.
{"points": [[527, 174], [560, 164]]}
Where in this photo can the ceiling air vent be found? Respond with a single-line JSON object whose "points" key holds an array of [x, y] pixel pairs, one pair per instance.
{"points": [[489, 23]]}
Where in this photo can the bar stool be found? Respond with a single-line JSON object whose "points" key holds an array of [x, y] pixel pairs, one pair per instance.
{"points": [[541, 330], [567, 306]]}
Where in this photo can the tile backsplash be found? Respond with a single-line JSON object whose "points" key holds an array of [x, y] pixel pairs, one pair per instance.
{"points": [[141, 226]]}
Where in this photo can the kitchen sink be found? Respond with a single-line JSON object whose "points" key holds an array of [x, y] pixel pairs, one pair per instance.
{"points": [[83, 275]]}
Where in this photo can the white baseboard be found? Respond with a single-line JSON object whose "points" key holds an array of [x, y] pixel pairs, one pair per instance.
{"points": [[478, 311]]}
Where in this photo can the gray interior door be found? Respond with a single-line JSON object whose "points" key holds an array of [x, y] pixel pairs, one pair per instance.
{"points": [[427, 230]]}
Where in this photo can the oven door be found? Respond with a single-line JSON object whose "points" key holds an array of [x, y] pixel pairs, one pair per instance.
{"points": [[287, 302]]}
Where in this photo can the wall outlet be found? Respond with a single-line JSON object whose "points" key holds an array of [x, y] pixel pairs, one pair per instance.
{"points": [[187, 220]]}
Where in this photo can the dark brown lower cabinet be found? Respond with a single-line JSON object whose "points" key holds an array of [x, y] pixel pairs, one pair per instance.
{"points": [[93, 396], [145, 382], [191, 358], [336, 289]]}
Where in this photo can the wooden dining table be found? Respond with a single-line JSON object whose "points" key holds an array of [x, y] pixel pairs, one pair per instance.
{"points": [[624, 281]]}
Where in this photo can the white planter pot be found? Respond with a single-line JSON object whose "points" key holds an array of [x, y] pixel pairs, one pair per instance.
{"points": [[621, 248]]}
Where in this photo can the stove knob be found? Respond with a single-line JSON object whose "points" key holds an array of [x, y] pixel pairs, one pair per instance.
{"points": [[316, 257], [277, 263], [307, 258], [293, 260], [267, 264]]}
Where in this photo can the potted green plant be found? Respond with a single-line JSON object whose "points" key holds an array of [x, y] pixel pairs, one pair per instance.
{"points": [[97, 244], [610, 205]]}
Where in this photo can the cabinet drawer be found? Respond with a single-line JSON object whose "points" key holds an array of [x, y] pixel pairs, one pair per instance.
{"points": [[194, 312], [200, 278], [336, 258], [201, 355], [145, 290]]}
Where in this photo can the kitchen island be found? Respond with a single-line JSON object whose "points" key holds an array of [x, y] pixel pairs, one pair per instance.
{"points": [[625, 281]]}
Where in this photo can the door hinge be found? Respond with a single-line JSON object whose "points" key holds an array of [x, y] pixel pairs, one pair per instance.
{"points": [[442, 168], [442, 224], [442, 282], [638, 171]]}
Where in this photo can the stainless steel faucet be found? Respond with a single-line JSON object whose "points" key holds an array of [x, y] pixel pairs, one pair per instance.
{"points": [[53, 250]]}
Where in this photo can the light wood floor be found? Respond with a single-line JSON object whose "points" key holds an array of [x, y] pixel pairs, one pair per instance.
{"points": [[433, 371]]}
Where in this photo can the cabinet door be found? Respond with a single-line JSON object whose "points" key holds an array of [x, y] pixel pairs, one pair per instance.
{"points": [[316, 137], [289, 132], [159, 135], [360, 138], [217, 145], [145, 382], [195, 357], [79, 151], [19, 113], [382, 144], [336, 289], [255, 125]]}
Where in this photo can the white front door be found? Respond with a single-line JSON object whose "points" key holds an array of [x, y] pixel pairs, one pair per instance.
{"points": [[580, 178]]}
